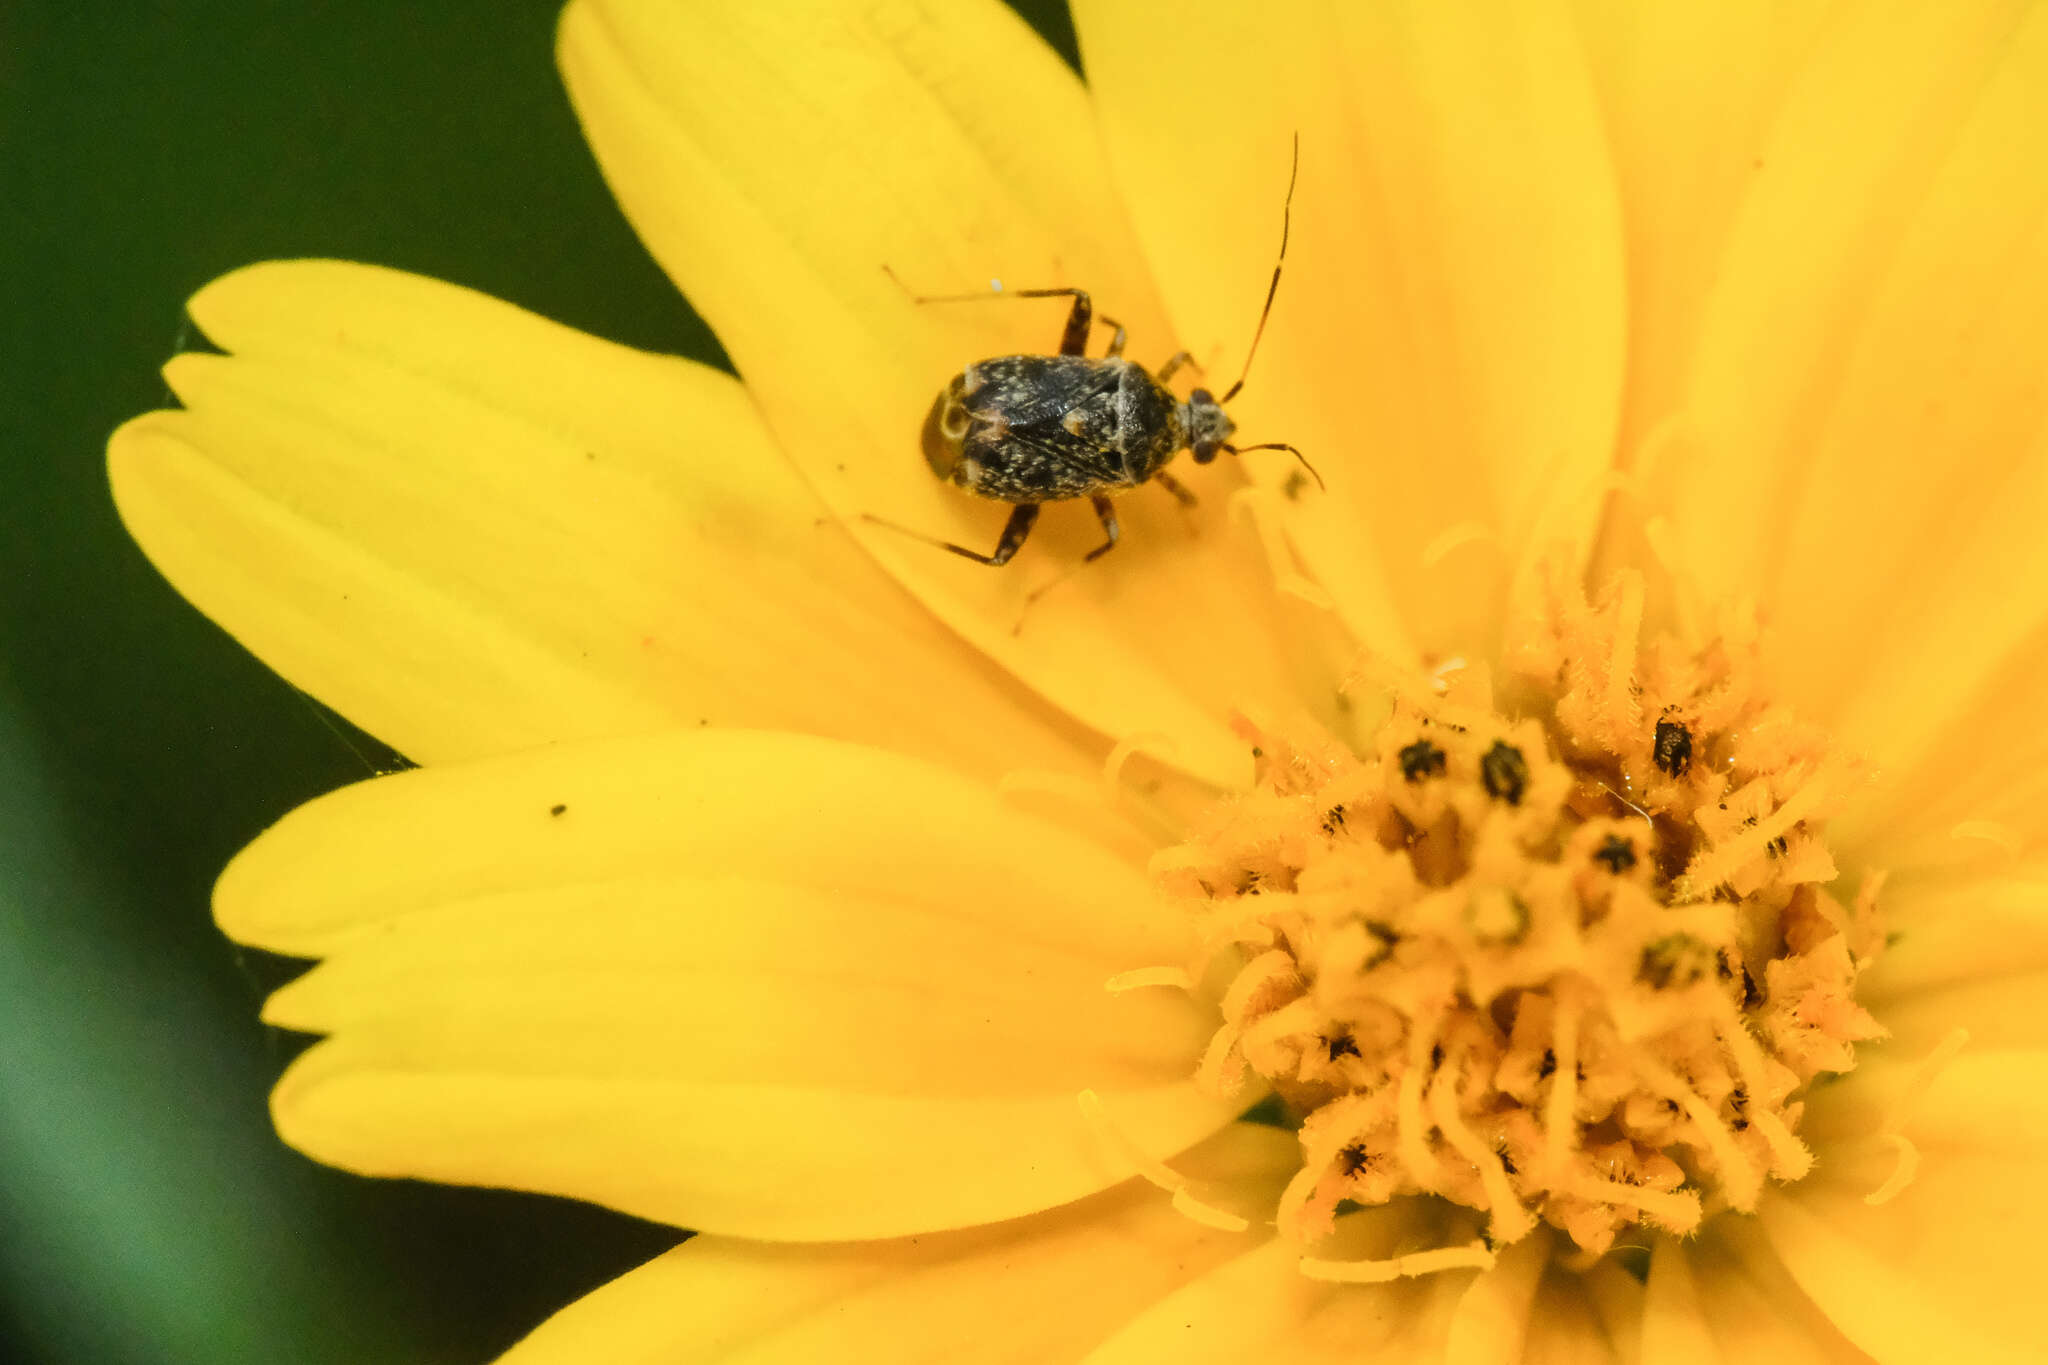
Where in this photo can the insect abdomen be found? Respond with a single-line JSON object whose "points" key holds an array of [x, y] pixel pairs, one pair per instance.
{"points": [[945, 430], [1029, 428]]}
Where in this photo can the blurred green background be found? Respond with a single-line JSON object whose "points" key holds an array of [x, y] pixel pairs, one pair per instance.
{"points": [[147, 1212]]}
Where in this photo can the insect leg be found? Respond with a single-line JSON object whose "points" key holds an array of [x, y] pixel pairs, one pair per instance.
{"points": [[1174, 486], [1175, 361], [1015, 530], [1073, 339], [1105, 510]]}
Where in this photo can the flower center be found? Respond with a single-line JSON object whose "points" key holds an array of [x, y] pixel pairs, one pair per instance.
{"points": [[1564, 949]]}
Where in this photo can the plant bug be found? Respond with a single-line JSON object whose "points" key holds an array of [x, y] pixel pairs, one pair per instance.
{"points": [[1033, 429]]}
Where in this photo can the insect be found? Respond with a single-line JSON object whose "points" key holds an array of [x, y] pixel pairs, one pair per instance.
{"points": [[1033, 429]]}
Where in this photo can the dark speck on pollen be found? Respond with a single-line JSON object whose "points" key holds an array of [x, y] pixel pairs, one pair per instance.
{"points": [[1673, 748], [1618, 853], [1420, 760], [1505, 772]]}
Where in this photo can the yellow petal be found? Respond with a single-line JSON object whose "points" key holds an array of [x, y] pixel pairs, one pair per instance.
{"points": [[775, 161], [1981, 1099], [1915, 578], [1673, 1329], [1977, 794], [1037, 1289], [1958, 932], [1599, 1311], [743, 982], [1492, 1323], [1855, 399], [809, 811], [1757, 1312], [1945, 1270], [1705, 1306], [1688, 93], [471, 530], [1565, 1330], [1999, 1011], [1447, 341], [729, 980], [1259, 1306]]}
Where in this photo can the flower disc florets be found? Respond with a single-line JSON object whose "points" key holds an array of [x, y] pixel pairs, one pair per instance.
{"points": [[1567, 952]]}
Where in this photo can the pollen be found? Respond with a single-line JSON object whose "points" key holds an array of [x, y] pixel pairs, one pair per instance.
{"points": [[1565, 946]]}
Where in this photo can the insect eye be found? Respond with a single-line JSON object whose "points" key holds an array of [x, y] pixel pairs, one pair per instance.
{"points": [[1202, 398], [1204, 453]]}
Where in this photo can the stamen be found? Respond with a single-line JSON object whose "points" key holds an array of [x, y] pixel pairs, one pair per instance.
{"points": [[1511, 1221], [1297, 1016], [1265, 974], [1330, 1140], [1180, 858], [1924, 1074], [1455, 537], [1472, 1257], [1911, 1093], [1158, 745], [1034, 781], [1741, 1045], [1790, 1158], [1244, 924], [1621, 704], [1222, 1069], [1260, 507], [1292, 1216], [1715, 865], [1902, 1174], [1679, 1211], [1156, 1172], [1144, 816], [1176, 978], [1415, 692], [1991, 832], [1411, 1130], [1664, 433], [1560, 1131], [1741, 1181], [1571, 958], [1208, 1215]]}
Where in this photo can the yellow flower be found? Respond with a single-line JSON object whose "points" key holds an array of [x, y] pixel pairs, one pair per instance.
{"points": [[739, 892]]}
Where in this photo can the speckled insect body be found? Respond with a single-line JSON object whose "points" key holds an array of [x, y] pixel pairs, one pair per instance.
{"points": [[1032, 429], [1041, 428]]}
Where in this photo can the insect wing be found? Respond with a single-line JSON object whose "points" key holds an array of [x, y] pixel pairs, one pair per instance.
{"points": [[1030, 390], [1040, 464]]}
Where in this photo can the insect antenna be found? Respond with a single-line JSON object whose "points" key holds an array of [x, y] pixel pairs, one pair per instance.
{"points": [[1282, 445], [1286, 214]]}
